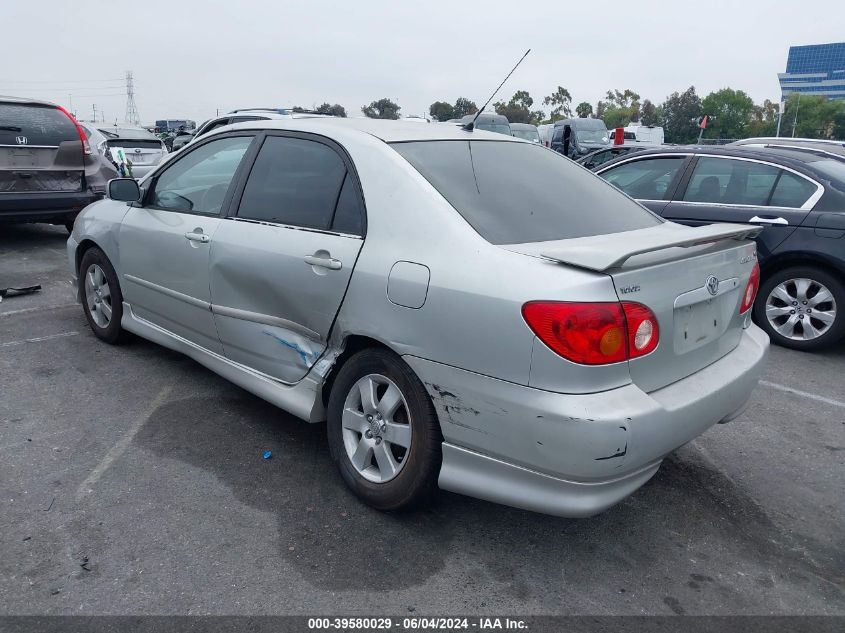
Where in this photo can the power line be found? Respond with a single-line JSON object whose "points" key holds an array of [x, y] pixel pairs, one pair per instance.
{"points": [[67, 81], [61, 88]]}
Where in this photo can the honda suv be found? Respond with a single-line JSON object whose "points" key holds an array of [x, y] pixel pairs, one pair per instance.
{"points": [[42, 170]]}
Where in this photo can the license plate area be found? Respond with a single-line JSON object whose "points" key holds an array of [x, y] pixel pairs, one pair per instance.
{"points": [[22, 158], [698, 324]]}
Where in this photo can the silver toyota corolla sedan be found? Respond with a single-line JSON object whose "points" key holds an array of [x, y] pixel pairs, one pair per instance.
{"points": [[463, 308]]}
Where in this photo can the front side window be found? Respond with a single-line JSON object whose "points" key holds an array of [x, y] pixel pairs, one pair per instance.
{"points": [[294, 181], [513, 193], [198, 182], [728, 181], [646, 179]]}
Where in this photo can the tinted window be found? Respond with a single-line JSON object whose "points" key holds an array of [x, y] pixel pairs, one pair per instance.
{"points": [[39, 125], [791, 191], [348, 217], [646, 179], [727, 181], [198, 182], [518, 192], [293, 181]]}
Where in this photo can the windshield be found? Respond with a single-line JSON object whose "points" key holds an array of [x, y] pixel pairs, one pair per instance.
{"points": [[500, 128], [528, 135], [513, 193], [592, 136]]}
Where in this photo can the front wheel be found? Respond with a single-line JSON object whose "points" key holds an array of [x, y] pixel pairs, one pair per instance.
{"points": [[383, 431], [101, 297], [801, 308]]}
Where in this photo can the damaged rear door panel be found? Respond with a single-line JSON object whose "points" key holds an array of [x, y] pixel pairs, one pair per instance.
{"points": [[300, 217]]}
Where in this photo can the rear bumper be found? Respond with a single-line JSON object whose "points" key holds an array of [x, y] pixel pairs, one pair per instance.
{"points": [[576, 455], [43, 207]]}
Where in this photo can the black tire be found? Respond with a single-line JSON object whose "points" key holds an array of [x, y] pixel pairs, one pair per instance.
{"points": [[112, 333], [417, 479], [834, 284]]}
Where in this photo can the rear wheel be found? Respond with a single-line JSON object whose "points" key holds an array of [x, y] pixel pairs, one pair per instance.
{"points": [[383, 431], [101, 297], [802, 308]]}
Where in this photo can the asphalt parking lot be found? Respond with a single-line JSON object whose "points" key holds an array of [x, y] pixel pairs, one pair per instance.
{"points": [[132, 482]]}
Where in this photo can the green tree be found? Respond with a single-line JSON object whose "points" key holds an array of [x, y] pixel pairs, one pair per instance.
{"points": [[817, 117], [600, 107], [463, 107], [518, 109], [441, 110], [333, 110], [764, 119], [621, 108], [679, 113], [651, 114], [731, 110], [583, 109], [382, 109], [560, 101]]}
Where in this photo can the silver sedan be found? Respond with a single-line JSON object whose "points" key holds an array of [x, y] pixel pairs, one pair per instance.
{"points": [[465, 309]]}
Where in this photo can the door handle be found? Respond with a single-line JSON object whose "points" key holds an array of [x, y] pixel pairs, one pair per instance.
{"points": [[324, 262], [768, 220], [197, 237]]}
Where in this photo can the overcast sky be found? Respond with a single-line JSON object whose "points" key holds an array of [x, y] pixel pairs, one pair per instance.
{"points": [[191, 57]]}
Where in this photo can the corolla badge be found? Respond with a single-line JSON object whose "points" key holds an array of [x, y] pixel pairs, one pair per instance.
{"points": [[712, 285]]}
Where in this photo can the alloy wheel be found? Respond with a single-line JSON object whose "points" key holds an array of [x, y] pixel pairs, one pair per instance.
{"points": [[800, 309], [376, 428], [98, 296]]}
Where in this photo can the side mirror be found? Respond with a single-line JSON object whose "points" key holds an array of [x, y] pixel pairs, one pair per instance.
{"points": [[124, 190]]}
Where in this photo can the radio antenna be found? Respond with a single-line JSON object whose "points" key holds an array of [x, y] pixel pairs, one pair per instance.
{"points": [[471, 125]]}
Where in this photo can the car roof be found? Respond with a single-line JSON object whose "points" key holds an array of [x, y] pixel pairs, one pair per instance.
{"points": [[383, 129], [786, 140], [25, 101]]}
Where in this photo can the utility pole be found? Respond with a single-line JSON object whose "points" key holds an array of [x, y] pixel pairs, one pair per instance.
{"points": [[780, 114], [70, 102], [131, 109], [94, 107], [795, 122]]}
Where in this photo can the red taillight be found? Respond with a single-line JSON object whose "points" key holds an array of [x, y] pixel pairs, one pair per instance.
{"points": [[643, 331], [86, 147], [593, 333], [751, 289]]}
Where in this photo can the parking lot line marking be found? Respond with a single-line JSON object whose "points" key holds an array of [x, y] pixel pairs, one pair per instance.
{"points": [[38, 339], [803, 394], [37, 309], [122, 444]]}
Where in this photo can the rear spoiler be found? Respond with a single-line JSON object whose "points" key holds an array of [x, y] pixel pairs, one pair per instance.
{"points": [[602, 252]]}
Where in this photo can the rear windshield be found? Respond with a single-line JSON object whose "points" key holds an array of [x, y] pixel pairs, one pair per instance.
{"points": [[528, 135], [128, 142], [513, 193], [501, 128], [34, 125]]}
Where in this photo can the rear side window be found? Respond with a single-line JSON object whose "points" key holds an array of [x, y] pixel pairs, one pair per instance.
{"points": [[348, 218], [727, 181], [792, 191], [646, 179], [34, 125], [293, 181], [514, 193]]}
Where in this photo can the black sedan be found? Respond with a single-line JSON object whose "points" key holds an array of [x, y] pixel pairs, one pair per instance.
{"points": [[595, 159], [798, 195]]}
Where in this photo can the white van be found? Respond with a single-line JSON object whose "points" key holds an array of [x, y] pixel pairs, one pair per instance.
{"points": [[634, 132]]}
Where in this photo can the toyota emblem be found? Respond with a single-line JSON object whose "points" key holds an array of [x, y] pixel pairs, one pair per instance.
{"points": [[712, 285]]}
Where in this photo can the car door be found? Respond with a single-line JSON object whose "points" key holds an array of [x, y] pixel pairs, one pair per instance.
{"points": [[732, 189], [651, 180], [164, 243], [281, 263]]}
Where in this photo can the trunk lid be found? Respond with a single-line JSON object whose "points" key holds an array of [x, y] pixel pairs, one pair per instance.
{"points": [[671, 269], [40, 150]]}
